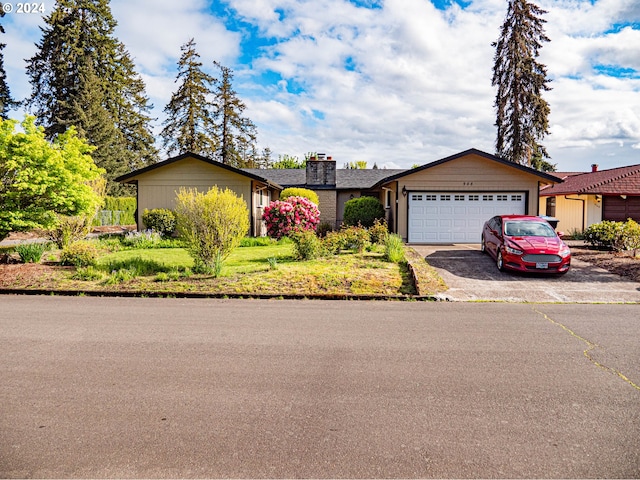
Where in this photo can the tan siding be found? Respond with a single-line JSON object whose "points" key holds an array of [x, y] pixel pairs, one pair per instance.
{"points": [[570, 213], [158, 188], [471, 173]]}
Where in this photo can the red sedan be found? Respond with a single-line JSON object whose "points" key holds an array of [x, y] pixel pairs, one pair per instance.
{"points": [[526, 244]]}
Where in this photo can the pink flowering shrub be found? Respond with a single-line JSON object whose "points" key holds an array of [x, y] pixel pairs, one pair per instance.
{"points": [[284, 217]]}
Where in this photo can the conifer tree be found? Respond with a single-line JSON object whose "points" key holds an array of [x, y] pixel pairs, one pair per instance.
{"points": [[6, 101], [236, 134], [189, 125], [79, 34], [521, 112]]}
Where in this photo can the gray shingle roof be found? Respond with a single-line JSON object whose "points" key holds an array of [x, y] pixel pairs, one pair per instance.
{"points": [[346, 179]]}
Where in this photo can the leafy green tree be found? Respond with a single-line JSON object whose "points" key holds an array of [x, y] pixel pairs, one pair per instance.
{"points": [[357, 165], [6, 101], [40, 179], [521, 112], [286, 162], [80, 65], [189, 126], [235, 133], [212, 225]]}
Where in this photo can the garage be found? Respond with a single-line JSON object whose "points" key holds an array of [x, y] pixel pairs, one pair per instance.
{"points": [[457, 217], [620, 207]]}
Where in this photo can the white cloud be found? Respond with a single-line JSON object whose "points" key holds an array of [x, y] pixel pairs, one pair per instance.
{"points": [[403, 84]]}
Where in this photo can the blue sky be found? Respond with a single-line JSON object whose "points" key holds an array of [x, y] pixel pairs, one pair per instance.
{"points": [[395, 82]]}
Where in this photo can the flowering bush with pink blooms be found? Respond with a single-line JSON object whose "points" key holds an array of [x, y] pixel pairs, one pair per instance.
{"points": [[284, 217]]}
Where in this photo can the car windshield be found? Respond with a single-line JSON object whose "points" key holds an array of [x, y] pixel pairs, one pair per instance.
{"points": [[528, 229]]}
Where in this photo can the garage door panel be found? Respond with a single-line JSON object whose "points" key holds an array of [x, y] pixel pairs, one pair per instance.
{"points": [[452, 217]]}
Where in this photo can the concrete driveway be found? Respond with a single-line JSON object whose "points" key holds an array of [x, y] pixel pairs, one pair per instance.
{"points": [[472, 275]]}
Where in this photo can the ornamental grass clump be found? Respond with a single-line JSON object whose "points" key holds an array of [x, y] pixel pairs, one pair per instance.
{"points": [[394, 249], [283, 218], [212, 225], [31, 252]]}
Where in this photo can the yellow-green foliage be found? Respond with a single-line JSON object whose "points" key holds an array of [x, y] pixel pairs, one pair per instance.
{"points": [[41, 179], [211, 224], [300, 192]]}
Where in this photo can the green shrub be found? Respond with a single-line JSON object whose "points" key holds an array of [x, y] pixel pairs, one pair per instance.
{"points": [[394, 249], [211, 224], [333, 242], [363, 211], [68, 229], [355, 238], [31, 252], [160, 220], [632, 236], [307, 245], [606, 234], [79, 254], [117, 211], [379, 231], [300, 192]]}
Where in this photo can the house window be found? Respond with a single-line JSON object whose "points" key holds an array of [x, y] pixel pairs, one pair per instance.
{"points": [[387, 199]]}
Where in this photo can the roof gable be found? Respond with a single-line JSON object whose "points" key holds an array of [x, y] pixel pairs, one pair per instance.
{"points": [[614, 181], [472, 151], [127, 178]]}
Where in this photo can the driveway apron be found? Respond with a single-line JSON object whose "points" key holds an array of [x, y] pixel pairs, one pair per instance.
{"points": [[473, 276]]}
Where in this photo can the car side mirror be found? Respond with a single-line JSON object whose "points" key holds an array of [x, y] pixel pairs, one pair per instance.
{"points": [[560, 234]]}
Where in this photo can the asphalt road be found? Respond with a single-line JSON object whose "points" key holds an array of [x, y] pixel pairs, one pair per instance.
{"points": [[97, 387]]}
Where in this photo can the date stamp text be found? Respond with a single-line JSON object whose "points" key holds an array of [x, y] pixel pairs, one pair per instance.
{"points": [[27, 7]]}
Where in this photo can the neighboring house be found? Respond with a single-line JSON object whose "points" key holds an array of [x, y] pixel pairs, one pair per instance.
{"points": [[586, 198], [444, 201], [157, 185]]}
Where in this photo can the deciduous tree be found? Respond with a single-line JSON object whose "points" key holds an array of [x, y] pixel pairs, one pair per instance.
{"points": [[40, 179]]}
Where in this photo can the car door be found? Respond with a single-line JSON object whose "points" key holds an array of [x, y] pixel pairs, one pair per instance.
{"points": [[491, 234]]}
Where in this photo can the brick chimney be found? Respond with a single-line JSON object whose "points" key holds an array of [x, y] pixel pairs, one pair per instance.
{"points": [[594, 167], [321, 171]]}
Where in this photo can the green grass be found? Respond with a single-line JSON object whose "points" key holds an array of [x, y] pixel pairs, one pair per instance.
{"points": [[150, 261]]}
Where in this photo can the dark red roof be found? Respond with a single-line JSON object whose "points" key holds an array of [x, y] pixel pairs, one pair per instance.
{"points": [[614, 181]]}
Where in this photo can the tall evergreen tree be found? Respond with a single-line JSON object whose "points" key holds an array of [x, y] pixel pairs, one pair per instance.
{"points": [[79, 34], [6, 101], [522, 113], [236, 134], [189, 125]]}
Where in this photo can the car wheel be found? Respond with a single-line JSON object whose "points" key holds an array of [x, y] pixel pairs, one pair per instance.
{"points": [[499, 262], [483, 245]]}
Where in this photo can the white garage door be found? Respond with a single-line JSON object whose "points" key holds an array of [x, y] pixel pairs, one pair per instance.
{"points": [[457, 217]]}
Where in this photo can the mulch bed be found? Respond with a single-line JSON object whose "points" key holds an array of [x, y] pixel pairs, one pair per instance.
{"points": [[622, 263]]}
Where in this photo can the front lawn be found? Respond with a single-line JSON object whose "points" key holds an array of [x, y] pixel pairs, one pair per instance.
{"points": [[250, 270]]}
